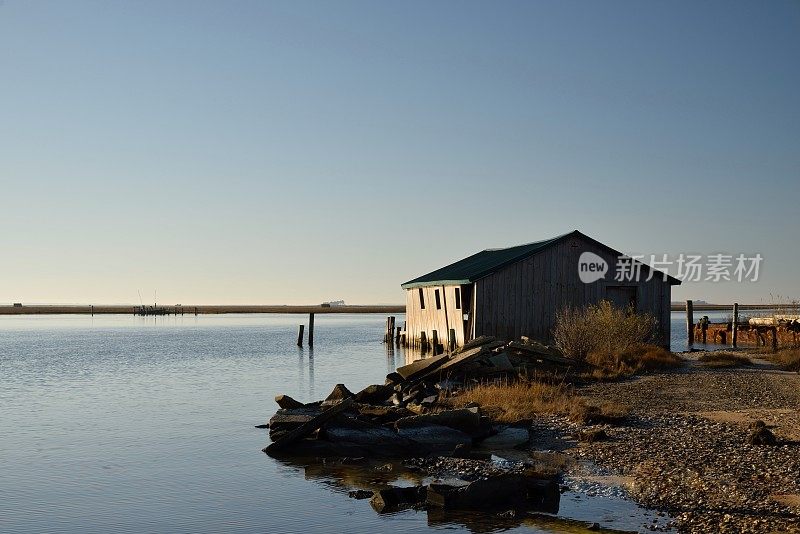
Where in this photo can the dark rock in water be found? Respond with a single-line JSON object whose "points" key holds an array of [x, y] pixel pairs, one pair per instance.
{"points": [[339, 393], [391, 499], [263, 426], [466, 420], [374, 394], [286, 402], [289, 419], [316, 448], [502, 491], [466, 452], [378, 440], [592, 435], [309, 427], [420, 367], [435, 437], [360, 494]]}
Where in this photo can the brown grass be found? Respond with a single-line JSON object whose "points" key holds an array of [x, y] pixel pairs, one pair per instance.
{"points": [[787, 359], [638, 359], [724, 360], [513, 401], [509, 402]]}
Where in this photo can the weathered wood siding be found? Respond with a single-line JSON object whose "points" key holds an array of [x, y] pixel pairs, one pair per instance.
{"points": [[427, 320], [524, 298]]}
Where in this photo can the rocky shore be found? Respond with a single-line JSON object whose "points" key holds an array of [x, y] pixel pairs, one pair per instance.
{"points": [[711, 450], [690, 446]]}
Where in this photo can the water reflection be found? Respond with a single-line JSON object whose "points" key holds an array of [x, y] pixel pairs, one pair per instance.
{"points": [[342, 476]]}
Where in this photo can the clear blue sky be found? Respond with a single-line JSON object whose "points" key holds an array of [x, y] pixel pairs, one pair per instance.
{"points": [[294, 152]]}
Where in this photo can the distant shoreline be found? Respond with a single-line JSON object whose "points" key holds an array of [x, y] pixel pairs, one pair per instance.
{"points": [[192, 309], [722, 307]]}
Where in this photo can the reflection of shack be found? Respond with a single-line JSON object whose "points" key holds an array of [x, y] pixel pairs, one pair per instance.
{"points": [[518, 291]]}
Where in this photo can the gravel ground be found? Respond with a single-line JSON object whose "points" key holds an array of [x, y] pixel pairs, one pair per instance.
{"points": [[685, 451]]}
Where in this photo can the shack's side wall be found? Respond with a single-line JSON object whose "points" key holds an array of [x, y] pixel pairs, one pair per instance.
{"points": [[524, 298], [427, 320]]}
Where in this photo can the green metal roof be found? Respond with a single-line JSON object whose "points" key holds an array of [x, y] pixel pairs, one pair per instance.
{"points": [[479, 265], [489, 261]]}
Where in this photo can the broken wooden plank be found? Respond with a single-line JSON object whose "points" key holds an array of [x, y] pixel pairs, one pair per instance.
{"points": [[308, 427], [418, 367]]}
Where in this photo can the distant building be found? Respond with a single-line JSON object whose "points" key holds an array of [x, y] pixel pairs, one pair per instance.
{"points": [[517, 291], [17, 304], [333, 303]]}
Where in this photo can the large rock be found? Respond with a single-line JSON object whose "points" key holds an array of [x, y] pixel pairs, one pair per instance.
{"points": [[378, 440], [466, 420], [420, 367], [339, 393], [507, 438], [435, 437], [761, 435], [289, 419], [502, 491]]}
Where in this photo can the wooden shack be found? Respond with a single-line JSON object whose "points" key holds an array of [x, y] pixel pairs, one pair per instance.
{"points": [[517, 291]]}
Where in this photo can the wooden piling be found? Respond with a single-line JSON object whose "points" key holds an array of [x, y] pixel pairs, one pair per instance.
{"points": [[423, 341], [774, 338], [690, 322], [310, 329], [705, 328], [397, 337], [735, 324], [452, 339], [435, 342], [300, 335]]}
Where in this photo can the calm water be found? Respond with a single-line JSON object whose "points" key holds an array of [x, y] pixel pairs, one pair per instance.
{"points": [[125, 424]]}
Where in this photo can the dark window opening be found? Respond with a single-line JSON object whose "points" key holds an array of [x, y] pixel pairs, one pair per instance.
{"points": [[421, 299], [438, 300], [458, 298]]}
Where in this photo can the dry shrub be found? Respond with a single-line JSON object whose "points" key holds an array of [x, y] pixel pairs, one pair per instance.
{"points": [[787, 359], [721, 360], [601, 328], [514, 401], [636, 359]]}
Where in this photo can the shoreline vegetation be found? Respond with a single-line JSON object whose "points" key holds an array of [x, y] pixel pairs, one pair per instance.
{"points": [[129, 309]]}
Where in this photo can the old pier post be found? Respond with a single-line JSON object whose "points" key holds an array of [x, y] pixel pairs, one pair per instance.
{"points": [[389, 334], [397, 337], [704, 323], [300, 335], [310, 330], [735, 324], [423, 342], [435, 342], [690, 322]]}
